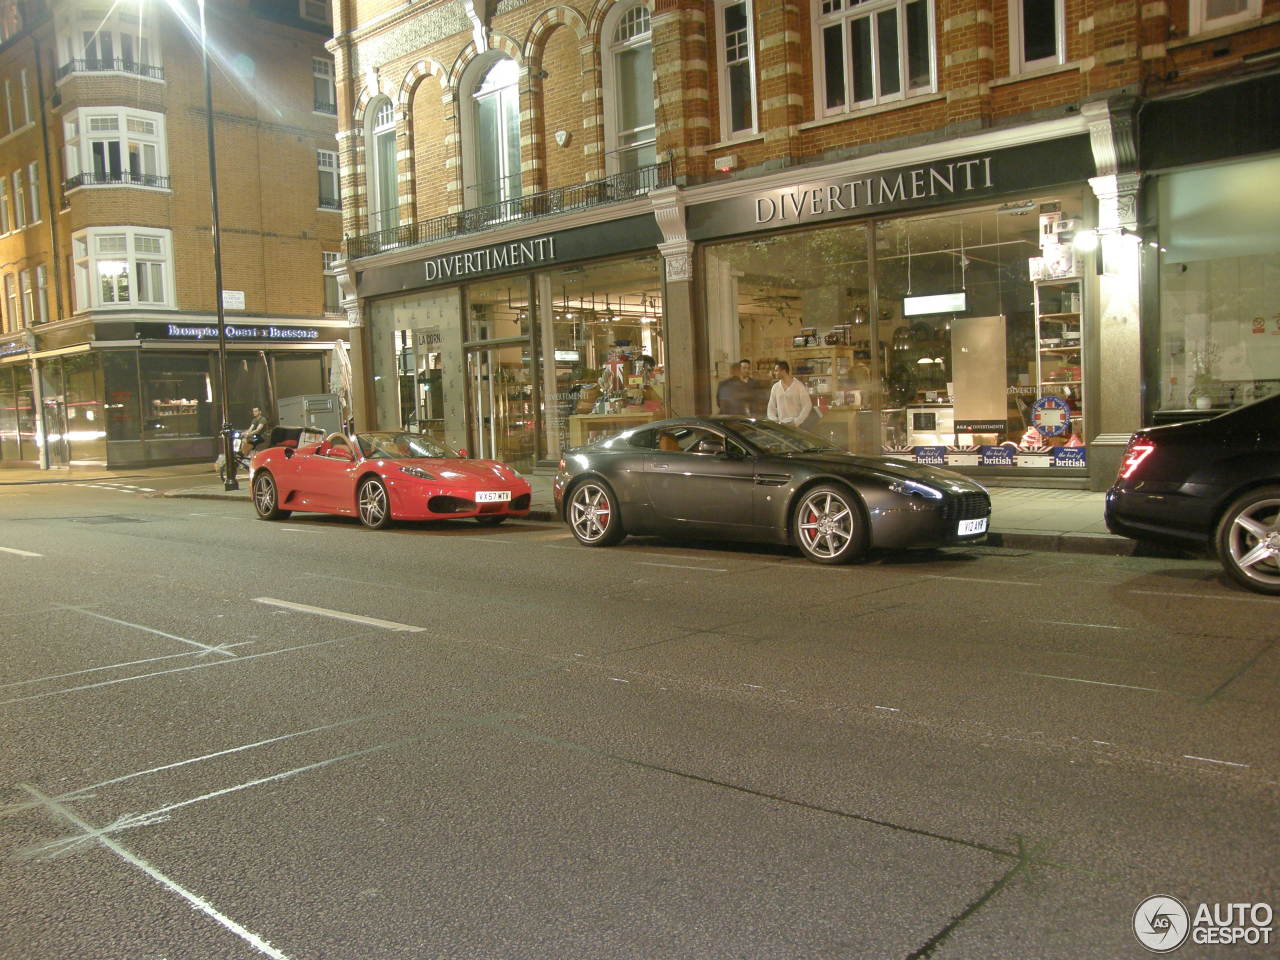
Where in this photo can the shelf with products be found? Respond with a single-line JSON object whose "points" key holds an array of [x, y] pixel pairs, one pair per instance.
{"points": [[1059, 369]]}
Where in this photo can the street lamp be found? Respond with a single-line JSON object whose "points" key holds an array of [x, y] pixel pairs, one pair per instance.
{"points": [[228, 451]]}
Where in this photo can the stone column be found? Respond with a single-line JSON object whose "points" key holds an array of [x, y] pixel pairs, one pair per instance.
{"points": [[687, 392], [1115, 378], [363, 413]]}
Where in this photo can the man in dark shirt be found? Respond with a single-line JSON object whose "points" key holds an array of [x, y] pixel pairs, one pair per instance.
{"points": [[738, 394]]}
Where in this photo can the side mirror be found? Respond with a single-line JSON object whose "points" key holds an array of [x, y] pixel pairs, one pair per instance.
{"points": [[712, 448], [462, 452], [288, 453]]}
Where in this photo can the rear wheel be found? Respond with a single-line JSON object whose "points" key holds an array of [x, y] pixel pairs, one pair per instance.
{"points": [[593, 514], [372, 504], [491, 521], [1248, 540], [266, 498], [827, 525]]}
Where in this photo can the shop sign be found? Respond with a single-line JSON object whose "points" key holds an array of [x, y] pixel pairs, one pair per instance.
{"points": [[1051, 416], [497, 257], [1067, 456], [934, 456], [943, 181], [981, 426], [235, 332], [998, 456], [427, 337]]}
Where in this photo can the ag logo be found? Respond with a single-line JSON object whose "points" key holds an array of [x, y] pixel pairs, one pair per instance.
{"points": [[1161, 924]]}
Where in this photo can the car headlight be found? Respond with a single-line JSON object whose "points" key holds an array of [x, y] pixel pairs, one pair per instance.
{"points": [[910, 488], [416, 472]]}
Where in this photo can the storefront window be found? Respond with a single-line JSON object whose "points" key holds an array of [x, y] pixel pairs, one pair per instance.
{"points": [[941, 347], [604, 360], [177, 396], [1219, 285], [9, 447], [298, 375], [86, 426], [247, 386], [503, 391], [120, 373], [25, 401]]}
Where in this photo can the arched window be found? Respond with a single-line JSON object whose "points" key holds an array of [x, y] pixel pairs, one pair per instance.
{"points": [[629, 101], [493, 133], [380, 166]]}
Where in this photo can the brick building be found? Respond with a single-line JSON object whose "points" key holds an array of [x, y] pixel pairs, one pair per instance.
{"points": [[108, 343], [971, 228]]}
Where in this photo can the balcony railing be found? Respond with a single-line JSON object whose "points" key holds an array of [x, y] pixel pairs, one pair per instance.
{"points": [[120, 178], [109, 66], [534, 206], [330, 203], [326, 106]]}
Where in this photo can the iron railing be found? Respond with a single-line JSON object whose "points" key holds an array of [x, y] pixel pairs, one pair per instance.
{"points": [[326, 106], [535, 206], [115, 178], [106, 66], [330, 203]]}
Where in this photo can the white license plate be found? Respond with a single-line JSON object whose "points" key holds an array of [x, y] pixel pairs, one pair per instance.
{"points": [[492, 496], [970, 527]]}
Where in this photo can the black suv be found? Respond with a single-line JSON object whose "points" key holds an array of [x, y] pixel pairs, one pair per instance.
{"points": [[1208, 483]]}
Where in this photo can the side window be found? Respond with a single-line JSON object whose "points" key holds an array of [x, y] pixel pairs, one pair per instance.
{"points": [[642, 439]]}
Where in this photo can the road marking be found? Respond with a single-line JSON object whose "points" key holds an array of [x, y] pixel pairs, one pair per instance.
{"points": [[161, 673], [288, 529], [112, 666], [673, 556], [890, 709], [221, 648], [1099, 683], [20, 553], [259, 944], [1203, 596], [339, 615], [1008, 583], [1096, 626], [1225, 763], [682, 566]]}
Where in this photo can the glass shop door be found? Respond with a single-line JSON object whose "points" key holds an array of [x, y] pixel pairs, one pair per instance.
{"points": [[501, 403]]}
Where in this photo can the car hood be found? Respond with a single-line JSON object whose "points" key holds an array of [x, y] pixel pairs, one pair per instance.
{"points": [[889, 468], [458, 470]]}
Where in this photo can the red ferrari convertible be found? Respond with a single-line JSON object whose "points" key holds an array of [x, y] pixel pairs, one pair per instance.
{"points": [[381, 477]]}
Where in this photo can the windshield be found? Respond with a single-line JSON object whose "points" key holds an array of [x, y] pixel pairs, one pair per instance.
{"points": [[401, 446], [773, 437]]}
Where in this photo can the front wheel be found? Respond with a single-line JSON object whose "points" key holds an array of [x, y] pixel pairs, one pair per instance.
{"points": [[827, 525], [372, 504], [1248, 540], [593, 515], [266, 498]]}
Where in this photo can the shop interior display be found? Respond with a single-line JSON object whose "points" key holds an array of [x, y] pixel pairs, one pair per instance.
{"points": [[1059, 370]]}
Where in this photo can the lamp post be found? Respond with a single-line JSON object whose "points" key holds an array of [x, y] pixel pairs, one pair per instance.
{"points": [[228, 452]]}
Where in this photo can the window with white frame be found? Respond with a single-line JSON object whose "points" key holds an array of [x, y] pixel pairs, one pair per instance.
{"points": [[871, 53], [19, 202], [326, 94], [8, 104], [122, 266], [380, 166], [327, 165], [119, 41], [317, 11], [116, 147], [1037, 35], [5, 226], [26, 96], [28, 302], [1211, 14], [630, 121], [737, 68], [492, 133], [332, 300], [11, 302], [42, 295], [33, 184]]}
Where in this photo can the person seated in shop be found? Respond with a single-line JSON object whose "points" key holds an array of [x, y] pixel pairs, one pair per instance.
{"points": [[737, 394]]}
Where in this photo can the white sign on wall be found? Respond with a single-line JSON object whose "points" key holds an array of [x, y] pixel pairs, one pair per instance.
{"points": [[232, 299]]}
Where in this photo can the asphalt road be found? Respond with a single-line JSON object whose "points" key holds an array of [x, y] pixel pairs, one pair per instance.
{"points": [[224, 738]]}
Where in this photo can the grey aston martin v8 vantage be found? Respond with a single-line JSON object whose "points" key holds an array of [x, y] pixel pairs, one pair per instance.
{"points": [[738, 478]]}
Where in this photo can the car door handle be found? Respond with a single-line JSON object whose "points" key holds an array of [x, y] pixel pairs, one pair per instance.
{"points": [[662, 466]]}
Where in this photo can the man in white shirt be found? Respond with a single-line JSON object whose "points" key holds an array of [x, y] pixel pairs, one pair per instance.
{"points": [[789, 401]]}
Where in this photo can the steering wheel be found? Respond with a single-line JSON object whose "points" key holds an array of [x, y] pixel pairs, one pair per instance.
{"points": [[336, 439]]}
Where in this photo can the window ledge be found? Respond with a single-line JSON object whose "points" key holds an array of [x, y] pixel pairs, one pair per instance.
{"points": [[328, 209], [108, 73], [116, 186], [1217, 33], [1037, 73], [736, 142], [29, 125], [873, 111]]}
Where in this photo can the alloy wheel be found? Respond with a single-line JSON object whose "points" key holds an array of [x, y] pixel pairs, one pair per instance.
{"points": [[373, 504], [264, 494], [1252, 544], [826, 524], [590, 513]]}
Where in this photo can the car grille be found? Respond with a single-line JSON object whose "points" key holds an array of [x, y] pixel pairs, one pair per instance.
{"points": [[967, 506]]}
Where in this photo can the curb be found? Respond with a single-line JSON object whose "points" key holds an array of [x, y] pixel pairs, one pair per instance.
{"points": [[1100, 544]]}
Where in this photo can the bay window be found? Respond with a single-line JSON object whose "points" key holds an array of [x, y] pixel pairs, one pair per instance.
{"points": [[122, 266], [120, 42], [116, 147], [871, 53]]}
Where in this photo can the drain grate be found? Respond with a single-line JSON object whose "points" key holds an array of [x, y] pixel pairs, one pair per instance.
{"points": [[108, 518]]}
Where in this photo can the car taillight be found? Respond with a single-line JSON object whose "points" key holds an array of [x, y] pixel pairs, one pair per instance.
{"points": [[1134, 455], [562, 466]]}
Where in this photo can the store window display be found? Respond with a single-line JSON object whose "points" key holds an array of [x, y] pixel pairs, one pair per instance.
{"points": [[954, 338]]}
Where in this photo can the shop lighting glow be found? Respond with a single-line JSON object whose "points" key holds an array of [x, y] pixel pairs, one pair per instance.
{"points": [[938, 303]]}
